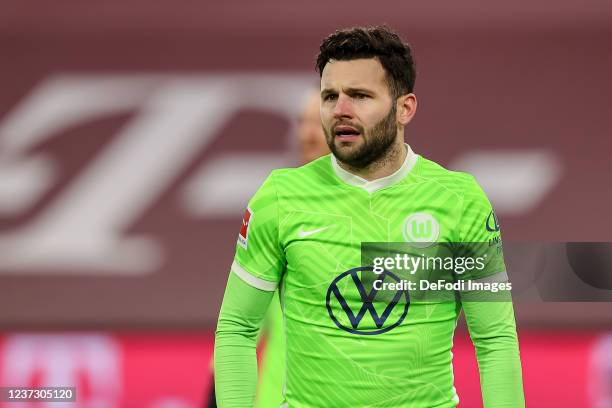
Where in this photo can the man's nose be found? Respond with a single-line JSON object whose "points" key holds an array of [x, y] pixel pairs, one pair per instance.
{"points": [[344, 107]]}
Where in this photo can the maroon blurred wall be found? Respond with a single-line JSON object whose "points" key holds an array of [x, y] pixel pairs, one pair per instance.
{"points": [[490, 80]]}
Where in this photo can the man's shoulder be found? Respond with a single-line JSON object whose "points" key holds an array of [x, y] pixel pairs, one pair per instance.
{"points": [[431, 172], [317, 172]]}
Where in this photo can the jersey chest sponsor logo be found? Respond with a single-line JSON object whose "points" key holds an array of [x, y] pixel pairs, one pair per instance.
{"points": [[243, 236], [387, 309], [421, 229]]}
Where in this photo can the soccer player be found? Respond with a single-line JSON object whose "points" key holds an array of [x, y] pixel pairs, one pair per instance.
{"points": [[302, 232]]}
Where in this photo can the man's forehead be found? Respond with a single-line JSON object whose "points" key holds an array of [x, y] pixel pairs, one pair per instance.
{"points": [[357, 73]]}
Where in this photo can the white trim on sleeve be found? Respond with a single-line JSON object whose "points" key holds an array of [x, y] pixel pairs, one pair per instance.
{"points": [[499, 277], [252, 280], [496, 277]]}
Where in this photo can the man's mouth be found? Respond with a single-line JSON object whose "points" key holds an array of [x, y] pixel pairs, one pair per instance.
{"points": [[346, 133]]}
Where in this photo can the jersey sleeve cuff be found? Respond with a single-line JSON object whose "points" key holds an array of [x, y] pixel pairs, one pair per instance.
{"points": [[495, 278], [253, 280], [499, 277]]}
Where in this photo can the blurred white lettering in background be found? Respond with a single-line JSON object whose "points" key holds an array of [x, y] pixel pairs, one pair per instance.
{"points": [[82, 231]]}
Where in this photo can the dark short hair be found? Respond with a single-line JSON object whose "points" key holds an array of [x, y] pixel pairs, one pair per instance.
{"points": [[372, 42]]}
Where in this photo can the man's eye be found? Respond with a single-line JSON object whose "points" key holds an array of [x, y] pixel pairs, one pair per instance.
{"points": [[330, 97], [360, 96]]}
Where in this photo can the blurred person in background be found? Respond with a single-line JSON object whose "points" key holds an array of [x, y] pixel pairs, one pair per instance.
{"points": [[305, 226], [311, 146], [311, 139]]}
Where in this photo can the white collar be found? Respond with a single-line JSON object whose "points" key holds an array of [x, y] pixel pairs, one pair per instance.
{"points": [[373, 185]]}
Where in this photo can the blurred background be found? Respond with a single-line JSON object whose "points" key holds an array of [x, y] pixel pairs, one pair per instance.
{"points": [[133, 133]]}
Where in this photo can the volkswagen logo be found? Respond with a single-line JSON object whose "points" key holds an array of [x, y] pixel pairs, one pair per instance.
{"points": [[352, 294]]}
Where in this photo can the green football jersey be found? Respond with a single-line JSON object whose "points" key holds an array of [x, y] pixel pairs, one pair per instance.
{"points": [[346, 347]]}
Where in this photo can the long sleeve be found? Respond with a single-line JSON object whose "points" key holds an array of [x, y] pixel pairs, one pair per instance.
{"points": [[242, 312], [493, 332], [490, 316], [255, 273]]}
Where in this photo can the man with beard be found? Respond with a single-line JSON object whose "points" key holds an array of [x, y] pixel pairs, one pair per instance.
{"points": [[348, 345]]}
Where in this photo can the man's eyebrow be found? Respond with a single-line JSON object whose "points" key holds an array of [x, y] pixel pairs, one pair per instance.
{"points": [[358, 90], [351, 90], [327, 91]]}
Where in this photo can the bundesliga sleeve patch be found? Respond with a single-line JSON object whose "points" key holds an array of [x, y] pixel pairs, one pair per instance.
{"points": [[243, 236]]}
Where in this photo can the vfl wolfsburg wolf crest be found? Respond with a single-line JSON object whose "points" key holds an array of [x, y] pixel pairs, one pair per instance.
{"points": [[421, 228]]}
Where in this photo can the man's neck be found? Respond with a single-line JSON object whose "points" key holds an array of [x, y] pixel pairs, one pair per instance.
{"points": [[383, 167]]}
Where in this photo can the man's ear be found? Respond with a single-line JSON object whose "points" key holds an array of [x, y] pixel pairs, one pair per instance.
{"points": [[406, 108]]}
